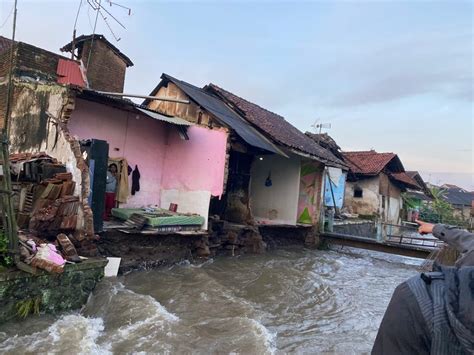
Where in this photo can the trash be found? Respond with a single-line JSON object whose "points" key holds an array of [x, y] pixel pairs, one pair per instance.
{"points": [[48, 258], [112, 267]]}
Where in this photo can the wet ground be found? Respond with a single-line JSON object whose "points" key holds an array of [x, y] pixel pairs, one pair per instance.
{"points": [[292, 300]]}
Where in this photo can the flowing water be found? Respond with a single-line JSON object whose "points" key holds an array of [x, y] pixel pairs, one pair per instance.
{"points": [[286, 301]]}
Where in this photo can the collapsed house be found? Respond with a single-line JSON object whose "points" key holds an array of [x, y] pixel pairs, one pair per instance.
{"points": [[274, 173], [374, 185]]}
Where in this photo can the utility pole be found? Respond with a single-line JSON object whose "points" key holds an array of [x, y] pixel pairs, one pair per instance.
{"points": [[9, 218]]}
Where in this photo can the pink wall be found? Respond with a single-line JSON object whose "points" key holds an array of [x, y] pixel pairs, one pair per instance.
{"points": [[197, 164], [141, 141]]}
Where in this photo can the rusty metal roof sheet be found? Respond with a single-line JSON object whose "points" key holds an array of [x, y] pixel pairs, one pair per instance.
{"points": [[69, 72]]}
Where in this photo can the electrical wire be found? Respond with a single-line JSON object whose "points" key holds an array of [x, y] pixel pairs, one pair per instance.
{"points": [[8, 17], [77, 15]]}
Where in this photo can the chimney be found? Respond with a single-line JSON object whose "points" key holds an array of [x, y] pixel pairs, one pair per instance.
{"points": [[105, 64]]}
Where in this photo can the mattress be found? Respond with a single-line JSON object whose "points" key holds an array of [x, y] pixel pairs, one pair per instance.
{"points": [[159, 217]]}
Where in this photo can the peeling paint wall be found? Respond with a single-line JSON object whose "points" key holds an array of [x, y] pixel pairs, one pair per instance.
{"points": [[309, 205], [38, 125], [380, 197], [370, 201], [39, 117]]}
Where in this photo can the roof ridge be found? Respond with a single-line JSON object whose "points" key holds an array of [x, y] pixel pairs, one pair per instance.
{"points": [[250, 102]]}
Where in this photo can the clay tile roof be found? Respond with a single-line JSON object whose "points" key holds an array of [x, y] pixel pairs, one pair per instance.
{"points": [[274, 126], [370, 162], [406, 180], [82, 38]]}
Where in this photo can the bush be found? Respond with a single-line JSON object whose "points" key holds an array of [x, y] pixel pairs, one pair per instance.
{"points": [[5, 258]]}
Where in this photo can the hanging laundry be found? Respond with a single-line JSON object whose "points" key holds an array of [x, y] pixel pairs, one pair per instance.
{"points": [[135, 180]]}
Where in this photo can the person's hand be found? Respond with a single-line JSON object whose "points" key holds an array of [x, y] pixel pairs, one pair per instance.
{"points": [[425, 228]]}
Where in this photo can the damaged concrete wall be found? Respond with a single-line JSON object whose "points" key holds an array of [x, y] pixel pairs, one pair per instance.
{"points": [[274, 189], [369, 203], [39, 117], [38, 124]]}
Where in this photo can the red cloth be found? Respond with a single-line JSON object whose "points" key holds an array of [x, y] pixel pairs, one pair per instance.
{"points": [[109, 204]]}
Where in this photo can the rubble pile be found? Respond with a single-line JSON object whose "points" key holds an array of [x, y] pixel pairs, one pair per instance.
{"points": [[52, 220]]}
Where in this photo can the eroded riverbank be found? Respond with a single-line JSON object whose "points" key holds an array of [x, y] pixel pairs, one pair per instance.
{"points": [[290, 300]]}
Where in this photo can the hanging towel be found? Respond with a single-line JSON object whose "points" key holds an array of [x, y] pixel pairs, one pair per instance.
{"points": [[135, 180], [122, 191]]}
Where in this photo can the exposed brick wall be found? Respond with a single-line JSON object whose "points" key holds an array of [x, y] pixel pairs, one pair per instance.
{"points": [[106, 71], [34, 61]]}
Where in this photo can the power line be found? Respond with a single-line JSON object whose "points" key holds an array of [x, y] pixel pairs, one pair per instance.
{"points": [[8, 17], [77, 15], [93, 33]]}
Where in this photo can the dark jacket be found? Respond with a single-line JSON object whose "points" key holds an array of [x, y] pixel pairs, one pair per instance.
{"points": [[404, 328]]}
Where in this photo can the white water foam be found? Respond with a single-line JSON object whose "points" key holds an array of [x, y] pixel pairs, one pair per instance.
{"points": [[59, 338], [269, 338]]}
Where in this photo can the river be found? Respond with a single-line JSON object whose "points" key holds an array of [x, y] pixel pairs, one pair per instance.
{"points": [[285, 301]]}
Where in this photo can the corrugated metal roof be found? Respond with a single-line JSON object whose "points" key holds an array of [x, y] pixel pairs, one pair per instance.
{"points": [[69, 72], [223, 113], [174, 120]]}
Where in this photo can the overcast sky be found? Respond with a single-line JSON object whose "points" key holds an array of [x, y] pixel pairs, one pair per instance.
{"points": [[395, 76]]}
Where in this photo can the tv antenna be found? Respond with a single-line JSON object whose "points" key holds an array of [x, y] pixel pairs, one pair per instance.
{"points": [[319, 126], [98, 6]]}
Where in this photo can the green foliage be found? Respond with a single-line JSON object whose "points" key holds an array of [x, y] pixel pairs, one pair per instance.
{"points": [[439, 210], [5, 259], [410, 202], [28, 306]]}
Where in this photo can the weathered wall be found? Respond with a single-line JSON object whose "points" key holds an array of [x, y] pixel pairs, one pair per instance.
{"points": [[278, 203], [380, 197], [106, 69], [35, 124], [369, 203], [39, 117], [137, 138], [55, 292], [309, 199], [190, 112]]}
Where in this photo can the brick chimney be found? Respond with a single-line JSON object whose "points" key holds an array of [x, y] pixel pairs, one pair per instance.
{"points": [[105, 64]]}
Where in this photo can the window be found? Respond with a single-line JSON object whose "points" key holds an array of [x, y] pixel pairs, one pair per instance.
{"points": [[357, 192]]}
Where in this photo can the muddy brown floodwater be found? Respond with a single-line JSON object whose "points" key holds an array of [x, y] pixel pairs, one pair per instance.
{"points": [[286, 301]]}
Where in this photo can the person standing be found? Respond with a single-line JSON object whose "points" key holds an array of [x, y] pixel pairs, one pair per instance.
{"points": [[433, 313], [110, 190]]}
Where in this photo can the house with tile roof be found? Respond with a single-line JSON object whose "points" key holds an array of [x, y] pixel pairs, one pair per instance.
{"points": [[375, 183], [274, 174]]}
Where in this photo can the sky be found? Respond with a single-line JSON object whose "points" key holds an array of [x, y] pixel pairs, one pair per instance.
{"points": [[394, 76]]}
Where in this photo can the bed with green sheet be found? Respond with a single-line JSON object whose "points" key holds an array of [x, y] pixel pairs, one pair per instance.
{"points": [[159, 217]]}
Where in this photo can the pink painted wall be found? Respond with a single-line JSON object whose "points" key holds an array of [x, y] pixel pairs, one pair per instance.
{"points": [[141, 141], [197, 164]]}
